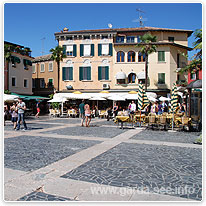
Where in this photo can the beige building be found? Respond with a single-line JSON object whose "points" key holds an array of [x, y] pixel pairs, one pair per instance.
{"points": [[44, 75], [18, 71], [110, 59]]}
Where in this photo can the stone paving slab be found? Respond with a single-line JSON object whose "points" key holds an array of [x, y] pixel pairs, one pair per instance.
{"points": [[41, 196], [63, 120], [150, 166], [28, 153], [93, 131], [165, 136]]}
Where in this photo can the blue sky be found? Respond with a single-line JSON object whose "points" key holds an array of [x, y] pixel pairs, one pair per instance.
{"points": [[27, 23]]}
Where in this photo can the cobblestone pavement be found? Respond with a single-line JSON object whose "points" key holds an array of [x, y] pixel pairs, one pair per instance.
{"points": [[183, 137], [66, 160], [41, 196], [29, 153]]}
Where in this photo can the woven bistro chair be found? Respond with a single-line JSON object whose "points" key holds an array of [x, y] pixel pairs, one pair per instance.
{"points": [[162, 122], [152, 120]]}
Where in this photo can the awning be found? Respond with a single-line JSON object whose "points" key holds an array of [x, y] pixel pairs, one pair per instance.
{"points": [[27, 97], [141, 75], [121, 75], [195, 84]]}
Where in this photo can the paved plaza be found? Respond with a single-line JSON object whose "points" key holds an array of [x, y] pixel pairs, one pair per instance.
{"points": [[58, 160]]}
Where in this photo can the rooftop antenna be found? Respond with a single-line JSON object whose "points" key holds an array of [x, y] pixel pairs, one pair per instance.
{"points": [[42, 51], [140, 20]]}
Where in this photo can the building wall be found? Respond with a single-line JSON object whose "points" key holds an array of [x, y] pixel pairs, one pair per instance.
{"points": [[78, 61], [20, 74], [46, 75]]}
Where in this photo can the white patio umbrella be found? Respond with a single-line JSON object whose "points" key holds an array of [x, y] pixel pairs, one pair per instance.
{"points": [[10, 97], [164, 98], [60, 100], [116, 97], [152, 99], [131, 96]]}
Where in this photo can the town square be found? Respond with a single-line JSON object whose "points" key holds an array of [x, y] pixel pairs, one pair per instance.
{"points": [[103, 113]]}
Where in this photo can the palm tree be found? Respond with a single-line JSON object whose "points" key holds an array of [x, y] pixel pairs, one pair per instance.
{"points": [[7, 58], [58, 55], [147, 47], [198, 43]]}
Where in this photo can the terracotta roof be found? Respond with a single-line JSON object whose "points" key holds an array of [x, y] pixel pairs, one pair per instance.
{"points": [[126, 30], [42, 58]]}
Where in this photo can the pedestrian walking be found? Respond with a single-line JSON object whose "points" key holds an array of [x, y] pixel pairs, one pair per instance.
{"points": [[82, 112], [14, 114], [21, 107], [37, 109], [133, 108], [87, 114]]}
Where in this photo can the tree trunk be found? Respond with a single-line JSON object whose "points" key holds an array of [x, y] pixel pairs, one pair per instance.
{"points": [[146, 71]]}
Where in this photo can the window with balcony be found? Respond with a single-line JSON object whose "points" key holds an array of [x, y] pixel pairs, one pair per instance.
{"points": [[161, 78], [103, 73], [84, 73], [141, 57], [138, 39], [131, 56], [130, 39], [161, 56], [70, 50], [67, 73], [120, 56], [86, 50], [120, 39]]}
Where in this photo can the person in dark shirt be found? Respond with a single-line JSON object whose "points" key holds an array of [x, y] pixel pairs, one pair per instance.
{"points": [[82, 112]]}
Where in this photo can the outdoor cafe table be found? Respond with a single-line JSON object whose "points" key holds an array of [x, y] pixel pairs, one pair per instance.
{"points": [[122, 119]]}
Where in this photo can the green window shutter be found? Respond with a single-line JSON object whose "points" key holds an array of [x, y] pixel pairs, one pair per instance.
{"points": [[88, 73], [99, 50], [63, 73], [99, 73], [80, 73], [70, 73], [92, 49], [64, 49], [110, 49], [74, 50], [81, 50], [106, 73], [161, 56]]}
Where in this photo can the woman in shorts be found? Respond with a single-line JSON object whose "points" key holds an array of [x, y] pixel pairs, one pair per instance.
{"points": [[87, 114], [14, 114]]}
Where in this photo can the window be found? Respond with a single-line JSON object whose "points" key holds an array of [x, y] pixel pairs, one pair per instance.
{"points": [[62, 37], [51, 67], [68, 38], [131, 78], [67, 73], [120, 81], [171, 39], [42, 68], [86, 37], [138, 39], [105, 49], [84, 73], [103, 73], [86, 49], [141, 57], [33, 83], [104, 36], [131, 56], [26, 83], [142, 81], [120, 39], [120, 56], [130, 39], [161, 78], [42, 83], [33, 69], [161, 56], [193, 76], [50, 83], [70, 50], [13, 81]]}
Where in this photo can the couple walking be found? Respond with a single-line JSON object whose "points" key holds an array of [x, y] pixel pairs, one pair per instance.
{"points": [[85, 113]]}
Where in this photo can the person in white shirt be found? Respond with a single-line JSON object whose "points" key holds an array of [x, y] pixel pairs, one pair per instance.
{"points": [[133, 108]]}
